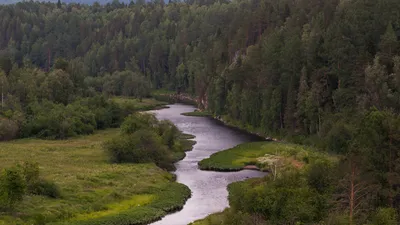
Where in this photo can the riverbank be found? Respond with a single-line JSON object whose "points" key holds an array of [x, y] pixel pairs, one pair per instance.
{"points": [[264, 156], [137, 105], [280, 160], [231, 123], [173, 97], [93, 191]]}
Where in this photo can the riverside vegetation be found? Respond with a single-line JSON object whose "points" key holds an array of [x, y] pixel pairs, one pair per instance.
{"points": [[323, 74], [80, 183]]}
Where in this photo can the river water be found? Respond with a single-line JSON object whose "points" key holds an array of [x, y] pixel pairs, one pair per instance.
{"points": [[209, 189]]}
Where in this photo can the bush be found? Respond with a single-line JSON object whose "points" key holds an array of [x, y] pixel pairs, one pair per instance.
{"points": [[37, 186], [145, 139], [8, 129], [286, 200], [140, 147], [107, 113], [138, 121], [169, 133], [338, 139], [385, 216], [12, 188], [56, 121], [46, 188], [320, 177]]}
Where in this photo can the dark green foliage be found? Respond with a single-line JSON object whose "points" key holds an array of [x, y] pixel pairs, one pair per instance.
{"points": [[12, 188], [385, 216], [338, 139], [287, 200], [145, 139], [168, 132], [139, 147], [8, 129], [321, 177], [56, 121], [36, 185], [126, 83], [138, 121], [58, 87], [107, 113], [46, 188], [61, 64]]}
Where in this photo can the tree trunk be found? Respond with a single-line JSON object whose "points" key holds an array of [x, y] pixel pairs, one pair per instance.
{"points": [[352, 192]]}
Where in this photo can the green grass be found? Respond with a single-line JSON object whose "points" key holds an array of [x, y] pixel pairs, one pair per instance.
{"points": [[198, 114], [93, 190], [173, 97], [145, 104], [237, 158], [215, 218], [162, 92], [187, 136], [187, 145]]}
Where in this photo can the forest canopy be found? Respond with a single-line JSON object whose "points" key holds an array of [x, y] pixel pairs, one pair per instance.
{"points": [[293, 65]]}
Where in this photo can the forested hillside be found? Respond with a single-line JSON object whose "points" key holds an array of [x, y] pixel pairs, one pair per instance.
{"points": [[270, 64], [318, 72]]}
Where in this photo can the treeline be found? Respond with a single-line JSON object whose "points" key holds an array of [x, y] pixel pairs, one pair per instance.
{"points": [[290, 64], [58, 104], [359, 187]]}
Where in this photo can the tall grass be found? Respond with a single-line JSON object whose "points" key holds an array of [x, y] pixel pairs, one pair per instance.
{"points": [[93, 191]]}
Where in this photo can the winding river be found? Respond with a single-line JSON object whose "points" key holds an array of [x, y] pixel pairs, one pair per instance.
{"points": [[209, 189]]}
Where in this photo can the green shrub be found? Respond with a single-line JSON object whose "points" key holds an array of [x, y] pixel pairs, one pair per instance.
{"points": [[168, 132], [285, 200], [31, 174], [138, 121], [145, 139], [12, 188], [107, 113], [56, 121], [46, 188], [338, 139], [320, 176], [37, 186], [140, 147], [385, 216]]}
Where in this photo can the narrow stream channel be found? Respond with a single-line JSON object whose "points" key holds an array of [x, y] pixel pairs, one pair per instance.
{"points": [[209, 189]]}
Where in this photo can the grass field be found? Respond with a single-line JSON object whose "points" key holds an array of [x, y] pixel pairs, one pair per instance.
{"points": [[198, 114], [260, 154], [93, 190], [215, 218], [145, 104]]}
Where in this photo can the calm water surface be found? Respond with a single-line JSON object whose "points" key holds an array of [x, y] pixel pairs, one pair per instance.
{"points": [[209, 189]]}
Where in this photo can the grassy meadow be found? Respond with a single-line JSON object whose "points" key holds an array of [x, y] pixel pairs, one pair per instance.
{"points": [[145, 104], [215, 218], [198, 114], [92, 189], [262, 155]]}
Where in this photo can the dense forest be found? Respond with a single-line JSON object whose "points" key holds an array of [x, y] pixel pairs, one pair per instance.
{"points": [[317, 72]]}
